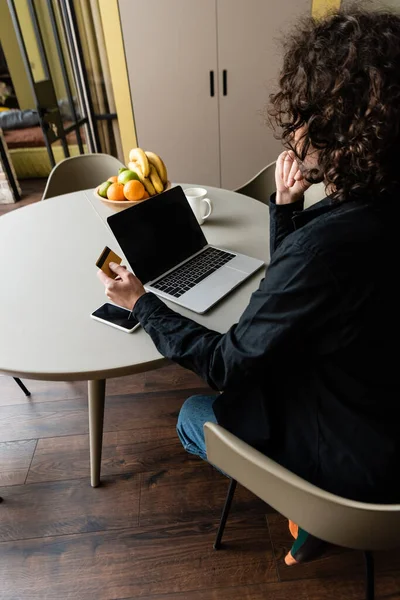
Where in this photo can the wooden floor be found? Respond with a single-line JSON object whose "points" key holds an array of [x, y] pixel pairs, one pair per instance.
{"points": [[31, 191], [147, 532]]}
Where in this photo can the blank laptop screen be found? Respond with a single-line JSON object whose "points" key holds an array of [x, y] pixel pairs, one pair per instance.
{"points": [[158, 233]]}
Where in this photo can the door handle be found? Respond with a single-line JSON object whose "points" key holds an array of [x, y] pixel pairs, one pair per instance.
{"points": [[212, 83], [225, 82]]}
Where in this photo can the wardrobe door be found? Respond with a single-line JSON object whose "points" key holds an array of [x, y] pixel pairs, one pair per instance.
{"points": [[171, 56], [249, 57]]}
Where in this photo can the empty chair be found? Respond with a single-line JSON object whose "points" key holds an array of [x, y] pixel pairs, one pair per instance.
{"points": [[80, 173], [337, 520], [262, 186]]}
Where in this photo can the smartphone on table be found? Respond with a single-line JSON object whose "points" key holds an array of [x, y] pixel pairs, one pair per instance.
{"points": [[116, 316]]}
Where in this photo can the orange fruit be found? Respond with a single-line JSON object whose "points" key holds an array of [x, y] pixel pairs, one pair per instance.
{"points": [[146, 195], [134, 190], [113, 179], [116, 192]]}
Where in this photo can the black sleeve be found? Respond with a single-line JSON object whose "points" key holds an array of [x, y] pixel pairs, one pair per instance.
{"points": [[291, 299], [281, 223]]}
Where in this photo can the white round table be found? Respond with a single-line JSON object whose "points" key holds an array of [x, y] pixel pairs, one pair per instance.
{"points": [[49, 289]]}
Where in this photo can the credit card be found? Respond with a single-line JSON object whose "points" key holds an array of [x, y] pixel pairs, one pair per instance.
{"points": [[104, 260]]}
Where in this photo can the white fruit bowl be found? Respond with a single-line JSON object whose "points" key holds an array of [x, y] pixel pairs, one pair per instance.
{"points": [[122, 204]]}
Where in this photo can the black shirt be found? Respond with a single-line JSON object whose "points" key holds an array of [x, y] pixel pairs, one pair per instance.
{"points": [[308, 374]]}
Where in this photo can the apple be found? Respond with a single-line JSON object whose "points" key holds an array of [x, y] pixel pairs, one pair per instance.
{"points": [[127, 175]]}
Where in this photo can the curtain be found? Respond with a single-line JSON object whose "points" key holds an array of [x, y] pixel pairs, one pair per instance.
{"points": [[98, 74]]}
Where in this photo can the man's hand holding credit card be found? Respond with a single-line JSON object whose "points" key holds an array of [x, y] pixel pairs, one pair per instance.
{"points": [[113, 314]]}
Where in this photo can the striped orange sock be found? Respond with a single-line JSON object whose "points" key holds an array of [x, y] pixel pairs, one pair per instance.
{"points": [[294, 529]]}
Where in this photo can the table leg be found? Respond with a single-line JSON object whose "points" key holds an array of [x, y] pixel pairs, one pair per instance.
{"points": [[96, 397]]}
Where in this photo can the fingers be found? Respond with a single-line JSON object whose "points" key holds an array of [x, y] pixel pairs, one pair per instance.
{"points": [[109, 282], [287, 168], [105, 279], [279, 165], [287, 165], [111, 288], [293, 171], [116, 268]]}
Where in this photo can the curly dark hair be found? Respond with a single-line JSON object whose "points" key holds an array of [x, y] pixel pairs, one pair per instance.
{"points": [[340, 85]]}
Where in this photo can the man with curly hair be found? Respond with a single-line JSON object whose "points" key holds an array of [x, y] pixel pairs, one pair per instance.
{"points": [[308, 374]]}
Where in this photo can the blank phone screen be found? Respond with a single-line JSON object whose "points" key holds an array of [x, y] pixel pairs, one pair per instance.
{"points": [[117, 315]]}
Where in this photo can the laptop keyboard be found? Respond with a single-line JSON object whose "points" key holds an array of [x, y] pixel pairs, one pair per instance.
{"points": [[192, 272]]}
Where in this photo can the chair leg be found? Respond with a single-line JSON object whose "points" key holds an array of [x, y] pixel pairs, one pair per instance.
{"points": [[225, 512], [369, 576], [22, 386]]}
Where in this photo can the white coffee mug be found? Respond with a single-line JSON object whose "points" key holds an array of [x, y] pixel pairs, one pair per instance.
{"points": [[200, 205]]}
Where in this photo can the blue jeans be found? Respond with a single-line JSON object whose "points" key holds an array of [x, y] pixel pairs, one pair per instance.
{"points": [[195, 411]]}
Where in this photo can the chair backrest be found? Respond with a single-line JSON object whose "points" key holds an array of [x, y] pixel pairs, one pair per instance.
{"points": [[335, 519], [262, 186], [80, 173]]}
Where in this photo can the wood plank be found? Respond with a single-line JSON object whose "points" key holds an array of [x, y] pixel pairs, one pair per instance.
{"points": [[192, 493], [31, 191], [123, 452], [135, 562], [41, 391], [13, 477], [70, 417], [15, 458], [171, 376], [262, 591], [388, 588], [348, 588], [43, 419], [174, 377], [64, 507]]}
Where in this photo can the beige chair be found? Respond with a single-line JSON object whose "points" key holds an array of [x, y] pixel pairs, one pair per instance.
{"points": [[336, 520], [262, 186], [80, 173]]}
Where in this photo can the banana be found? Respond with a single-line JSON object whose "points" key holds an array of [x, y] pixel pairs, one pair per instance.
{"points": [[138, 155], [134, 166], [155, 179], [155, 160]]}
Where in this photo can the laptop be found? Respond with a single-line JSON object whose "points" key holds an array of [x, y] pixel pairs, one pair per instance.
{"points": [[168, 251]]}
